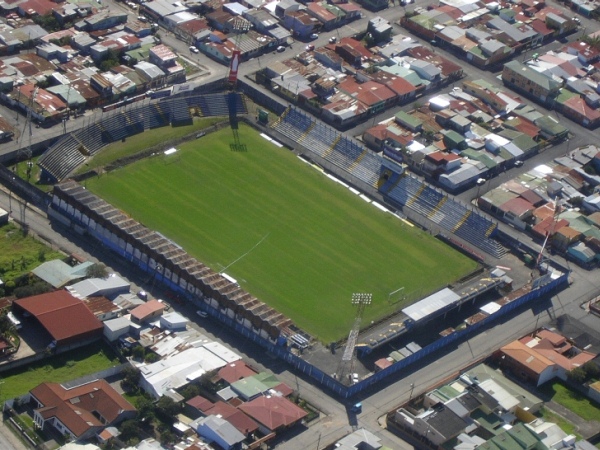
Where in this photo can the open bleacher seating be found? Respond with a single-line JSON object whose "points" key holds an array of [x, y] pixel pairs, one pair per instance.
{"points": [[331, 145], [450, 215], [180, 112], [219, 104], [70, 151], [91, 138], [62, 158]]}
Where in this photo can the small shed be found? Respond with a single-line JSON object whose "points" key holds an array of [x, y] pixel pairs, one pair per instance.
{"points": [[173, 321], [115, 328]]}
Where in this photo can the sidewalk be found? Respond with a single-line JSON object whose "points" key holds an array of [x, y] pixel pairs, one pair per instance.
{"points": [[8, 439]]}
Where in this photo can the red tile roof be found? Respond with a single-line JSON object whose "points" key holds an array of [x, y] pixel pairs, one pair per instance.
{"points": [[549, 226], [77, 408], [200, 403], [150, 307], [554, 338], [65, 317], [234, 416], [579, 105], [236, 371], [518, 206], [273, 412]]}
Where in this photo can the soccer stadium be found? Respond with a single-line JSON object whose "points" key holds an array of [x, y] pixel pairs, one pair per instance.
{"points": [[271, 241]]}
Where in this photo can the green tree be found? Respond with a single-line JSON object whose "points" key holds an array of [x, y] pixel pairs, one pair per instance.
{"points": [[151, 357], [130, 432], [167, 409], [37, 288], [190, 391], [6, 325], [110, 60], [145, 407], [591, 370], [131, 378], [167, 437], [577, 375], [138, 352], [47, 22], [97, 271]]}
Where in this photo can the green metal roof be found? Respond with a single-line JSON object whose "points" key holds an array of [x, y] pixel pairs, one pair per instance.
{"points": [[550, 126], [256, 384], [454, 137], [564, 95], [480, 156], [424, 20], [525, 437], [533, 75], [525, 143], [404, 117]]}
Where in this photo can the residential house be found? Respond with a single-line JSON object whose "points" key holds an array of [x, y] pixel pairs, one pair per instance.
{"points": [[150, 310], [301, 24], [530, 82], [80, 412], [273, 413], [215, 429]]}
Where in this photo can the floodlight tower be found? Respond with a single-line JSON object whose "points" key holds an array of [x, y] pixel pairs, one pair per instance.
{"points": [[361, 300], [25, 152], [240, 26]]}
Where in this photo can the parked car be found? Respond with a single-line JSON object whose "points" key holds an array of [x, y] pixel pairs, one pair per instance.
{"points": [[281, 48], [202, 314], [314, 36], [519, 163], [332, 40], [194, 49], [310, 48]]}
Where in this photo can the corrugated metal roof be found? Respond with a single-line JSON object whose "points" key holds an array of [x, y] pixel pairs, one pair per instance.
{"points": [[431, 304]]}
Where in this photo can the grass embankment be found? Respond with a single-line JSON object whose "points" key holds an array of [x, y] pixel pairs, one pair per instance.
{"points": [[144, 141]]}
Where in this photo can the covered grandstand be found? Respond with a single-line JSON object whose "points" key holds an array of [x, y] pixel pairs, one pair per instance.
{"points": [[167, 261]]}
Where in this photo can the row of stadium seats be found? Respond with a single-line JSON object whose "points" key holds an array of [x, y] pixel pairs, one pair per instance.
{"points": [[448, 214], [407, 191], [180, 112], [69, 152], [62, 157], [331, 145], [91, 138]]}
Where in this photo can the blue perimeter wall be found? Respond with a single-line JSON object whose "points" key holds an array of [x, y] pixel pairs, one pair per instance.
{"points": [[308, 369]]}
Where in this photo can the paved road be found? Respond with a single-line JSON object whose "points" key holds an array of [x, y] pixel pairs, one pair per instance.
{"points": [[337, 421]]}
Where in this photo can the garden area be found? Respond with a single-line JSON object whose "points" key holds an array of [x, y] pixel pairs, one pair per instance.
{"points": [[58, 368], [19, 254], [559, 392]]}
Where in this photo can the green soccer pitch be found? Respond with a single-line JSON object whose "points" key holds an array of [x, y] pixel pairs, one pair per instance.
{"points": [[290, 236]]}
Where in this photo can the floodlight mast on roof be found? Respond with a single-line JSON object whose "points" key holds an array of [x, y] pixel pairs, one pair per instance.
{"points": [[240, 26]]}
